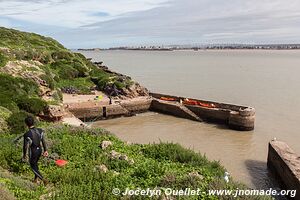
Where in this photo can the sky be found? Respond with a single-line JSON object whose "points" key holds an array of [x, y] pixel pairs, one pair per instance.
{"points": [[112, 23]]}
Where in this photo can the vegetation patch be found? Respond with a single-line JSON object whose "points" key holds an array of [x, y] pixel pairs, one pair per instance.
{"points": [[82, 85], [16, 122], [3, 60], [92, 172], [4, 116], [32, 105], [61, 67]]}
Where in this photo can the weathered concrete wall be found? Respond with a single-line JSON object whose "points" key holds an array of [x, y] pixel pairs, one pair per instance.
{"points": [[284, 162], [87, 112], [99, 110], [240, 122], [174, 109], [138, 105], [219, 105], [115, 111], [236, 117], [211, 114]]}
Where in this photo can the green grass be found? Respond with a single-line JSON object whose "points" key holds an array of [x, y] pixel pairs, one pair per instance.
{"points": [[3, 60], [155, 165], [14, 39], [61, 66], [82, 84], [4, 116]]}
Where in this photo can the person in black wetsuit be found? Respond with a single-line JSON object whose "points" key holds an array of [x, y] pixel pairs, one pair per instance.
{"points": [[33, 138]]}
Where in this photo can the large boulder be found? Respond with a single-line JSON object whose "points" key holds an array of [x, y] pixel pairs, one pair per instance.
{"points": [[135, 90], [53, 113]]}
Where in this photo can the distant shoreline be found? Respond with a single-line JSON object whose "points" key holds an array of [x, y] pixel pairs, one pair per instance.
{"points": [[241, 49]]}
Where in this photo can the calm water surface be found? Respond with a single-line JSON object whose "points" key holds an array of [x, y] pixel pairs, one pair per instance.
{"points": [[266, 80]]}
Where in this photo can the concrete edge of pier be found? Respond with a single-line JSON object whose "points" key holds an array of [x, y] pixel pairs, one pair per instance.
{"points": [[284, 163]]}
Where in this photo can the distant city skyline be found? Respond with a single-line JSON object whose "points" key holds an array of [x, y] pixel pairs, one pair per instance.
{"points": [[104, 24]]}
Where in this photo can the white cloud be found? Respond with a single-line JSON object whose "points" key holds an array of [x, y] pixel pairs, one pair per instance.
{"points": [[105, 23], [72, 13]]}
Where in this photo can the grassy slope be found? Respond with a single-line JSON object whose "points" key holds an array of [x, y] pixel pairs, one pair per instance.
{"points": [[160, 165], [61, 69]]}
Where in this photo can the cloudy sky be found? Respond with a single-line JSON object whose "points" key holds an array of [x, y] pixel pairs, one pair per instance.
{"points": [[109, 23]]}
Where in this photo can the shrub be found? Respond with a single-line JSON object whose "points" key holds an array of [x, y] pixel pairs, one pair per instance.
{"points": [[65, 69], [3, 60], [15, 86], [32, 104], [176, 153], [45, 58], [100, 78], [5, 194], [119, 85], [80, 67], [57, 95], [7, 102], [49, 80], [4, 115], [16, 122], [59, 55], [83, 85]]}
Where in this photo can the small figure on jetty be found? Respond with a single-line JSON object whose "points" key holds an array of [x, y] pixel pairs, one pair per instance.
{"points": [[112, 91], [33, 139]]}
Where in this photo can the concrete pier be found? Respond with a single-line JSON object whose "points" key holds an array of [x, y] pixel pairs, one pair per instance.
{"points": [[175, 109], [236, 117], [285, 164]]}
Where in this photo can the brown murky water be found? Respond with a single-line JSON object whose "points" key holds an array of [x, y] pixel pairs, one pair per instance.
{"points": [[266, 80]]}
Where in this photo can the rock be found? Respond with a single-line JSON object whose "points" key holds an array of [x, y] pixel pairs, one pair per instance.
{"points": [[53, 113], [101, 168], [55, 156], [114, 155], [135, 90], [123, 157], [131, 161], [116, 173], [195, 175], [105, 144], [30, 70]]}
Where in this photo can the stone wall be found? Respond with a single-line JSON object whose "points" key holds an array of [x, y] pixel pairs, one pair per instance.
{"points": [[174, 109], [240, 118], [285, 164], [88, 111]]}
